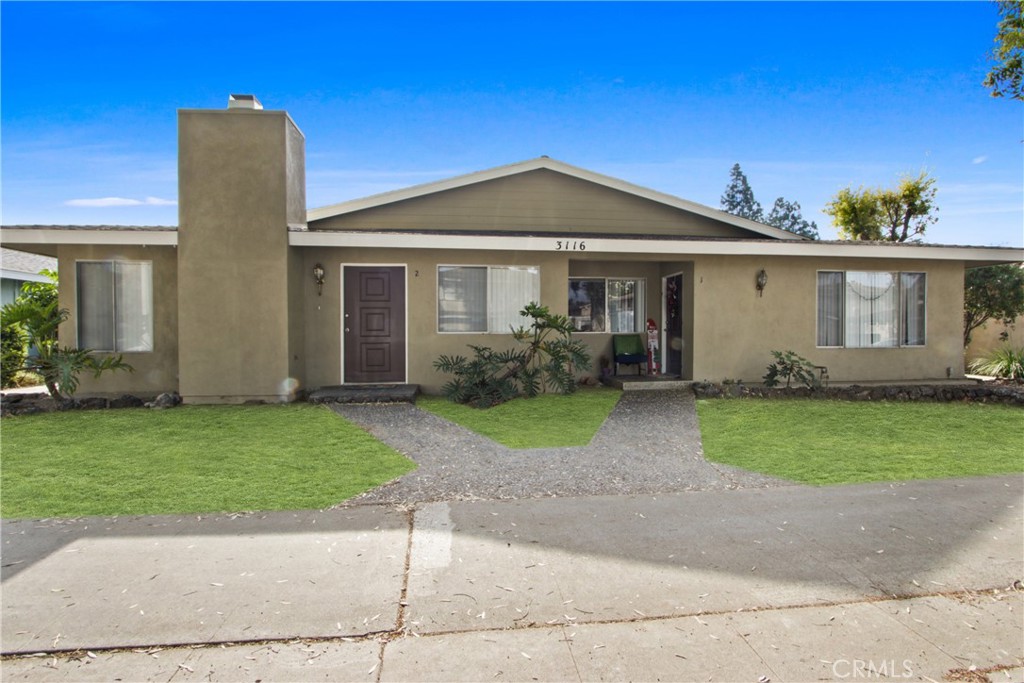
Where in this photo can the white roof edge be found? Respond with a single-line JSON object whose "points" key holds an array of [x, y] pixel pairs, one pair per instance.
{"points": [[666, 247], [9, 274], [551, 165], [86, 236]]}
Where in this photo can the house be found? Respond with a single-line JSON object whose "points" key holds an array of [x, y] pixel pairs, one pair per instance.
{"points": [[19, 267], [252, 296]]}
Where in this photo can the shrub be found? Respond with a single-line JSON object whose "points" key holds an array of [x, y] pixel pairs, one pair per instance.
{"points": [[789, 366], [37, 313], [12, 354], [1005, 362], [550, 359]]}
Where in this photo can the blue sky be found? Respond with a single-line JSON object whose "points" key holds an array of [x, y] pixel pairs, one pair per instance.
{"points": [[807, 97]]}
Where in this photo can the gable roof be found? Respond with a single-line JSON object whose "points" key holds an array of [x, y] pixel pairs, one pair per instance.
{"points": [[549, 164]]}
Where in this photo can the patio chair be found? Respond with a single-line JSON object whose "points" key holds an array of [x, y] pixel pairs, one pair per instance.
{"points": [[629, 350]]}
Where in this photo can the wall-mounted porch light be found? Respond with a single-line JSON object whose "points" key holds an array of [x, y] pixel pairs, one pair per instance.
{"points": [[761, 281], [318, 278]]}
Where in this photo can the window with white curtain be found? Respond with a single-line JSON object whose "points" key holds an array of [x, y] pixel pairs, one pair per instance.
{"points": [[871, 309], [484, 298], [115, 305], [607, 304]]}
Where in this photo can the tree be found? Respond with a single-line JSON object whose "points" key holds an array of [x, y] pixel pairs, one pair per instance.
{"points": [[36, 312], [993, 292], [888, 215], [786, 215], [1006, 79], [739, 198]]}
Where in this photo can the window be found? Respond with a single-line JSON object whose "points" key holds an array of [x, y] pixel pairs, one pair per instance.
{"points": [[607, 305], [871, 309], [115, 305], [484, 298]]}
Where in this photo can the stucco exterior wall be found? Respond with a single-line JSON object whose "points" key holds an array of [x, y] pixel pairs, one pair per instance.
{"points": [[536, 201], [735, 330], [155, 371], [240, 185], [985, 339], [323, 313]]}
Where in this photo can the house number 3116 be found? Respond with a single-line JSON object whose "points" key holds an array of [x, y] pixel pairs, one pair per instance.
{"points": [[570, 245]]}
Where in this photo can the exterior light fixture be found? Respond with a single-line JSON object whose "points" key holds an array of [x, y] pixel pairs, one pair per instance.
{"points": [[318, 278], [762, 280]]}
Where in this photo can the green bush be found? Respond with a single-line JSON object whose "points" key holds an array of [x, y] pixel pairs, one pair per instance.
{"points": [[12, 354], [789, 366], [1005, 362], [549, 358]]}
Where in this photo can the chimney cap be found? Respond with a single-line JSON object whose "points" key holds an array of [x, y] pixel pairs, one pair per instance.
{"points": [[243, 102]]}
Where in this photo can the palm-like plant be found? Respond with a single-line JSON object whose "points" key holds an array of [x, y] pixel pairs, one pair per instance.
{"points": [[1005, 362]]}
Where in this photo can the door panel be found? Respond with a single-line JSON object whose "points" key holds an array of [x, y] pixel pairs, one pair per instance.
{"points": [[374, 324], [674, 325]]}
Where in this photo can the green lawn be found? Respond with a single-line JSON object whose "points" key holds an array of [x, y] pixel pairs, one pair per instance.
{"points": [[187, 459], [834, 442], [546, 421]]}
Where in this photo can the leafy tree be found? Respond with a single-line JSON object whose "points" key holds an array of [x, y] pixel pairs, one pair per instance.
{"points": [[1006, 79], [739, 198], [38, 315], [786, 215], [993, 292], [885, 214]]}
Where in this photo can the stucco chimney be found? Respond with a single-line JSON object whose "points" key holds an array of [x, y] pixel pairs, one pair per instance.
{"points": [[243, 102]]}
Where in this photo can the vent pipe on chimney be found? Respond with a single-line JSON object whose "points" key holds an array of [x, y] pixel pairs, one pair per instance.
{"points": [[244, 102]]}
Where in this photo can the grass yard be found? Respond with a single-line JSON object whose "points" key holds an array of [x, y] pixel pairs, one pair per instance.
{"points": [[834, 442], [188, 459], [546, 421]]}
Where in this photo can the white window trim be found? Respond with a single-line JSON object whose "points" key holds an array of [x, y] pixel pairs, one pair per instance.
{"points": [[606, 280], [437, 299], [899, 332], [78, 313]]}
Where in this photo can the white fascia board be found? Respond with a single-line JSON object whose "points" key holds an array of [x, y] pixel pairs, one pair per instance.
{"points": [[22, 275], [613, 246], [551, 165], [145, 238]]}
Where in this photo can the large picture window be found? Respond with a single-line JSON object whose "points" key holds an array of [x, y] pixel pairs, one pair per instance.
{"points": [[871, 309], [484, 298], [115, 305], [607, 305]]}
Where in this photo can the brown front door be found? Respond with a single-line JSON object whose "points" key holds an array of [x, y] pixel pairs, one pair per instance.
{"points": [[373, 322]]}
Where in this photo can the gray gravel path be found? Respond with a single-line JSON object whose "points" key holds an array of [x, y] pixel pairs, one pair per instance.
{"points": [[649, 444]]}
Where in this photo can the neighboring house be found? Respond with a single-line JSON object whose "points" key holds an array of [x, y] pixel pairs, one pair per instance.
{"points": [[19, 267], [227, 306]]}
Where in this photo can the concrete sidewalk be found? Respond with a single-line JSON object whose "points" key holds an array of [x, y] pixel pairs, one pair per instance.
{"points": [[909, 581]]}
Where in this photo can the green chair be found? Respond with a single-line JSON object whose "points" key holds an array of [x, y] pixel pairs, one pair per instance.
{"points": [[629, 350]]}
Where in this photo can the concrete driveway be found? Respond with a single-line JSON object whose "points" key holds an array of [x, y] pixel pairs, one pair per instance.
{"points": [[911, 581]]}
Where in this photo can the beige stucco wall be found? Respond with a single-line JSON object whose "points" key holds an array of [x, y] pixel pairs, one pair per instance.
{"points": [[241, 184], [728, 331], [735, 330], [323, 313], [985, 339], [536, 201], [155, 371]]}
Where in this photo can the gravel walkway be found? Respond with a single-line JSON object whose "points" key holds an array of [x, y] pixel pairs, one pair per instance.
{"points": [[649, 444]]}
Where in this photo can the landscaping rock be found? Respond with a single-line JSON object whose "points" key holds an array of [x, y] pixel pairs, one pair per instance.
{"points": [[1008, 394], [126, 401], [165, 400]]}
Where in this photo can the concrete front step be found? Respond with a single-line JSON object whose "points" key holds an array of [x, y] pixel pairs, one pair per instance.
{"points": [[646, 382], [366, 393]]}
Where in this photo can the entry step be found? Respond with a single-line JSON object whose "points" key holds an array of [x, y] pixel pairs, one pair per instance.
{"points": [[366, 393]]}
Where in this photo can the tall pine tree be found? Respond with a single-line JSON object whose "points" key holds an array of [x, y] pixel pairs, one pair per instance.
{"points": [[739, 198], [785, 215]]}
